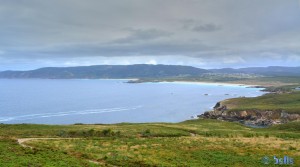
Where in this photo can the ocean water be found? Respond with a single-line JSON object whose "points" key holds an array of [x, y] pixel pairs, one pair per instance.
{"points": [[44, 101]]}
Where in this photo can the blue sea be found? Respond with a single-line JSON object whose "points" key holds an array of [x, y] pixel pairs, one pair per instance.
{"points": [[50, 101]]}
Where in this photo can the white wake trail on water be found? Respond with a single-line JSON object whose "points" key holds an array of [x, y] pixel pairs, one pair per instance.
{"points": [[59, 114]]}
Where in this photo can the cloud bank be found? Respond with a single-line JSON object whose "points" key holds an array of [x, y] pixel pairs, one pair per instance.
{"points": [[202, 33]]}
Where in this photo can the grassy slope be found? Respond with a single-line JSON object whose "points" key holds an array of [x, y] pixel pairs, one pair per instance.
{"points": [[289, 102], [216, 143], [12, 155]]}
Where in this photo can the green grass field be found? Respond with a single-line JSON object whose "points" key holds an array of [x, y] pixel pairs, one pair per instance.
{"points": [[190, 143], [289, 102]]}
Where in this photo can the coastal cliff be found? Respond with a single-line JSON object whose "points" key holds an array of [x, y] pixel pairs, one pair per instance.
{"points": [[252, 117]]}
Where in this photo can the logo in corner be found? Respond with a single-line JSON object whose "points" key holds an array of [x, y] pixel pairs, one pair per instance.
{"points": [[265, 160]]}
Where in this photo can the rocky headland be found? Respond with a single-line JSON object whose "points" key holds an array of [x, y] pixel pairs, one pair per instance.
{"points": [[255, 118]]}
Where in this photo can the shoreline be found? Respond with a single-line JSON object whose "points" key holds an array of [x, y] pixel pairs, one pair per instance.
{"points": [[137, 80], [248, 85], [211, 83]]}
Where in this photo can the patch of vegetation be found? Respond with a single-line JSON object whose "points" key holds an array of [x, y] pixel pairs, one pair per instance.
{"points": [[291, 126], [200, 142], [89, 133], [289, 102], [14, 155], [281, 89]]}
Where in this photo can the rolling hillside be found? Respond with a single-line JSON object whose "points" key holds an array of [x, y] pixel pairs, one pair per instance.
{"points": [[145, 71], [107, 71]]}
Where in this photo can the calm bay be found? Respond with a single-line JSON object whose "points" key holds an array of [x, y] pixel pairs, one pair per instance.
{"points": [[50, 101]]}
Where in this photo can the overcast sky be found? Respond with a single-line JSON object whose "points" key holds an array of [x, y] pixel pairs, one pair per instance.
{"points": [[202, 33]]}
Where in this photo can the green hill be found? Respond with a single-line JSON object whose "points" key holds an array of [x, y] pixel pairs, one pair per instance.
{"points": [[153, 71], [107, 71], [190, 143], [288, 102]]}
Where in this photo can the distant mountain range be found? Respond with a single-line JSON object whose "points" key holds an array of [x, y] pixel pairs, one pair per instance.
{"points": [[141, 71]]}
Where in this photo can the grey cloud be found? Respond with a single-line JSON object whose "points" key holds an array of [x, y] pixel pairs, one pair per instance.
{"points": [[137, 35], [199, 26], [212, 31], [206, 28], [123, 49]]}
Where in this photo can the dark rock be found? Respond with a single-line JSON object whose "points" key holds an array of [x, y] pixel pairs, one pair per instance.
{"points": [[253, 118]]}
